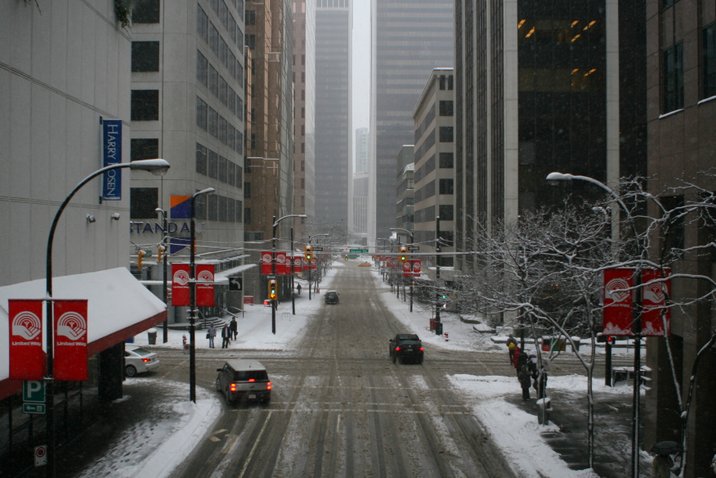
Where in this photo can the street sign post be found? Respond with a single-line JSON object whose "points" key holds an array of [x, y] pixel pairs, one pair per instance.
{"points": [[33, 397]]}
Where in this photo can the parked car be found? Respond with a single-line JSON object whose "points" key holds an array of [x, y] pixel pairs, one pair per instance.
{"points": [[138, 360], [406, 347], [331, 297], [242, 379]]}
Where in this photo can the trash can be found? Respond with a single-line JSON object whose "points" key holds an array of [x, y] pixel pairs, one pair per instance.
{"points": [[152, 336], [438, 328]]}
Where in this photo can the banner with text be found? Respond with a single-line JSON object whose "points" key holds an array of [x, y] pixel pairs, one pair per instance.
{"points": [[112, 154], [70, 359], [618, 296], [27, 360], [180, 285], [205, 285]]}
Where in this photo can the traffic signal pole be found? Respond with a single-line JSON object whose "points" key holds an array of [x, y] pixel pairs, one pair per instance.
{"points": [[437, 275], [273, 273]]}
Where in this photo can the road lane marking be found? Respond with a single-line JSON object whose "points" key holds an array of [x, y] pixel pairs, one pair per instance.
{"points": [[257, 442]]}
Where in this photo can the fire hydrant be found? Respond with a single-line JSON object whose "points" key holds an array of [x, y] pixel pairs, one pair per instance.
{"points": [[184, 343], [446, 336]]}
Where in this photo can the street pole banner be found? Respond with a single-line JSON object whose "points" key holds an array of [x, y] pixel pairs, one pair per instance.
{"points": [[656, 289], [111, 154], [407, 271], [205, 285], [281, 264], [416, 267], [266, 263], [70, 362], [297, 264], [617, 316], [27, 361], [180, 285]]}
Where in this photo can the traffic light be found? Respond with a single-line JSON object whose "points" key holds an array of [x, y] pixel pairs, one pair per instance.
{"points": [[160, 253], [272, 290], [140, 259], [308, 253], [403, 254]]}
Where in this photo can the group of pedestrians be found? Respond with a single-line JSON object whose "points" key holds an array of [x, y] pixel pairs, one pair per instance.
{"points": [[527, 369], [228, 332]]}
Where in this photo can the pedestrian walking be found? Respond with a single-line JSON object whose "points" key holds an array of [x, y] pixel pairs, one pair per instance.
{"points": [[298, 288], [525, 378], [210, 334], [234, 327], [515, 354], [225, 336], [184, 344]]}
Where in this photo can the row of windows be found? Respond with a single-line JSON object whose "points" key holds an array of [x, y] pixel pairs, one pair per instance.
{"points": [[214, 207], [222, 11], [445, 211], [208, 76], [216, 125], [673, 71], [445, 161], [208, 32], [211, 164], [424, 125]]}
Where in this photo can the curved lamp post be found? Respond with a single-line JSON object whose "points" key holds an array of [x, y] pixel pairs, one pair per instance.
{"points": [[636, 308], [155, 166], [274, 225], [192, 294]]}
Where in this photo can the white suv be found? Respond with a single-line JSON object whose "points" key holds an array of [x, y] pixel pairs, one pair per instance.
{"points": [[244, 379]]}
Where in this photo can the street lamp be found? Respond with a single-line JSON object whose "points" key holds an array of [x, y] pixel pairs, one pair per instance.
{"points": [[165, 235], [192, 294], [412, 278], [636, 310], [274, 225], [155, 166]]}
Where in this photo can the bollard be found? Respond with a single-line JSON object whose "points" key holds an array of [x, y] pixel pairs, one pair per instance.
{"points": [[446, 336]]}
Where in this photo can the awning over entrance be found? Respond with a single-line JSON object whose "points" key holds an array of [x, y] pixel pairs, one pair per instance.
{"points": [[119, 307]]}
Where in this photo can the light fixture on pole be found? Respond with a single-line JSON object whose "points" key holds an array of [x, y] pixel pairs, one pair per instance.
{"points": [[554, 177], [192, 294], [155, 166], [274, 227]]}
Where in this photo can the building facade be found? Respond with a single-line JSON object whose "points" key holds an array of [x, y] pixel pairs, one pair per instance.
{"points": [[333, 117], [359, 197], [681, 112], [408, 40], [434, 122], [404, 189]]}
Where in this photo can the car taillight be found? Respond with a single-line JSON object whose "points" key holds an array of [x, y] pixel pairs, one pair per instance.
{"points": [[269, 385], [252, 380], [397, 349], [146, 360], [422, 349], [232, 387]]}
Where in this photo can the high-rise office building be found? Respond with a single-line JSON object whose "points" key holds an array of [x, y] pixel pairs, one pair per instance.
{"points": [[333, 116], [359, 196], [409, 39]]}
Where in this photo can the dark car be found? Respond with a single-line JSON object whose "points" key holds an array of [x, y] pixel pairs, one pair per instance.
{"points": [[331, 297], [244, 380], [406, 347]]}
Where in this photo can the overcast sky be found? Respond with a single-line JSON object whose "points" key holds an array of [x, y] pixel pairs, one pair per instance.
{"points": [[361, 64]]}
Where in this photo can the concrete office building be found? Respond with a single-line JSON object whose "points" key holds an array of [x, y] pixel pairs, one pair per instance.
{"points": [[681, 113], [334, 23], [359, 199], [304, 126], [408, 40], [537, 89], [187, 105], [404, 191], [434, 122]]}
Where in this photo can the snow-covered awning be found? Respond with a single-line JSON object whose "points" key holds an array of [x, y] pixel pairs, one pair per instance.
{"points": [[223, 276], [118, 307]]}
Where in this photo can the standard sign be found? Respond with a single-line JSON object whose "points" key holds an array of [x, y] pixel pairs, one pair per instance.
{"points": [[33, 397], [235, 283]]}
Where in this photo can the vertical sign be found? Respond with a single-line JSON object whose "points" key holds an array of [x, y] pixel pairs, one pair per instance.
{"points": [[653, 298], [266, 263], [205, 285], [180, 285], [27, 361], [617, 316], [70, 340], [112, 154], [297, 263], [281, 264]]}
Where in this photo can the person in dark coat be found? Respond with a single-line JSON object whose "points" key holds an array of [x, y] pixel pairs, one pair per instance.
{"points": [[525, 378], [225, 336], [210, 334], [234, 327]]}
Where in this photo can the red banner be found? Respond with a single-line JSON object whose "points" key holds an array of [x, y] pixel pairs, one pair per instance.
{"points": [[297, 263], [618, 314], [205, 285], [412, 268], [653, 299], [27, 361], [266, 263], [282, 267], [180, 285], [70, 359]]}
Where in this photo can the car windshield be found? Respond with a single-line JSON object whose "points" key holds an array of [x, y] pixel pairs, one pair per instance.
{"points": [[140, 351], [407, 337], [258, 375]]}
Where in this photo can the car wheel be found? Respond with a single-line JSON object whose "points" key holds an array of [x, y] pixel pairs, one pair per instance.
{"points": [[218, 385], [130, 371]]}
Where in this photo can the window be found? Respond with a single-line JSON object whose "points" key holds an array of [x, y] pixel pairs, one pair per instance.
{"points": [[143, 203], [446, 213], [446, 160], [202, 69], [145, 56], [250, 17], [201, 113], [145, 11], [446, 133], [247, 216], [673, 78], [446, 187], [143, 148], [446, 108], [709, 66], [201, 159], [145, 105], [247, 190]]}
